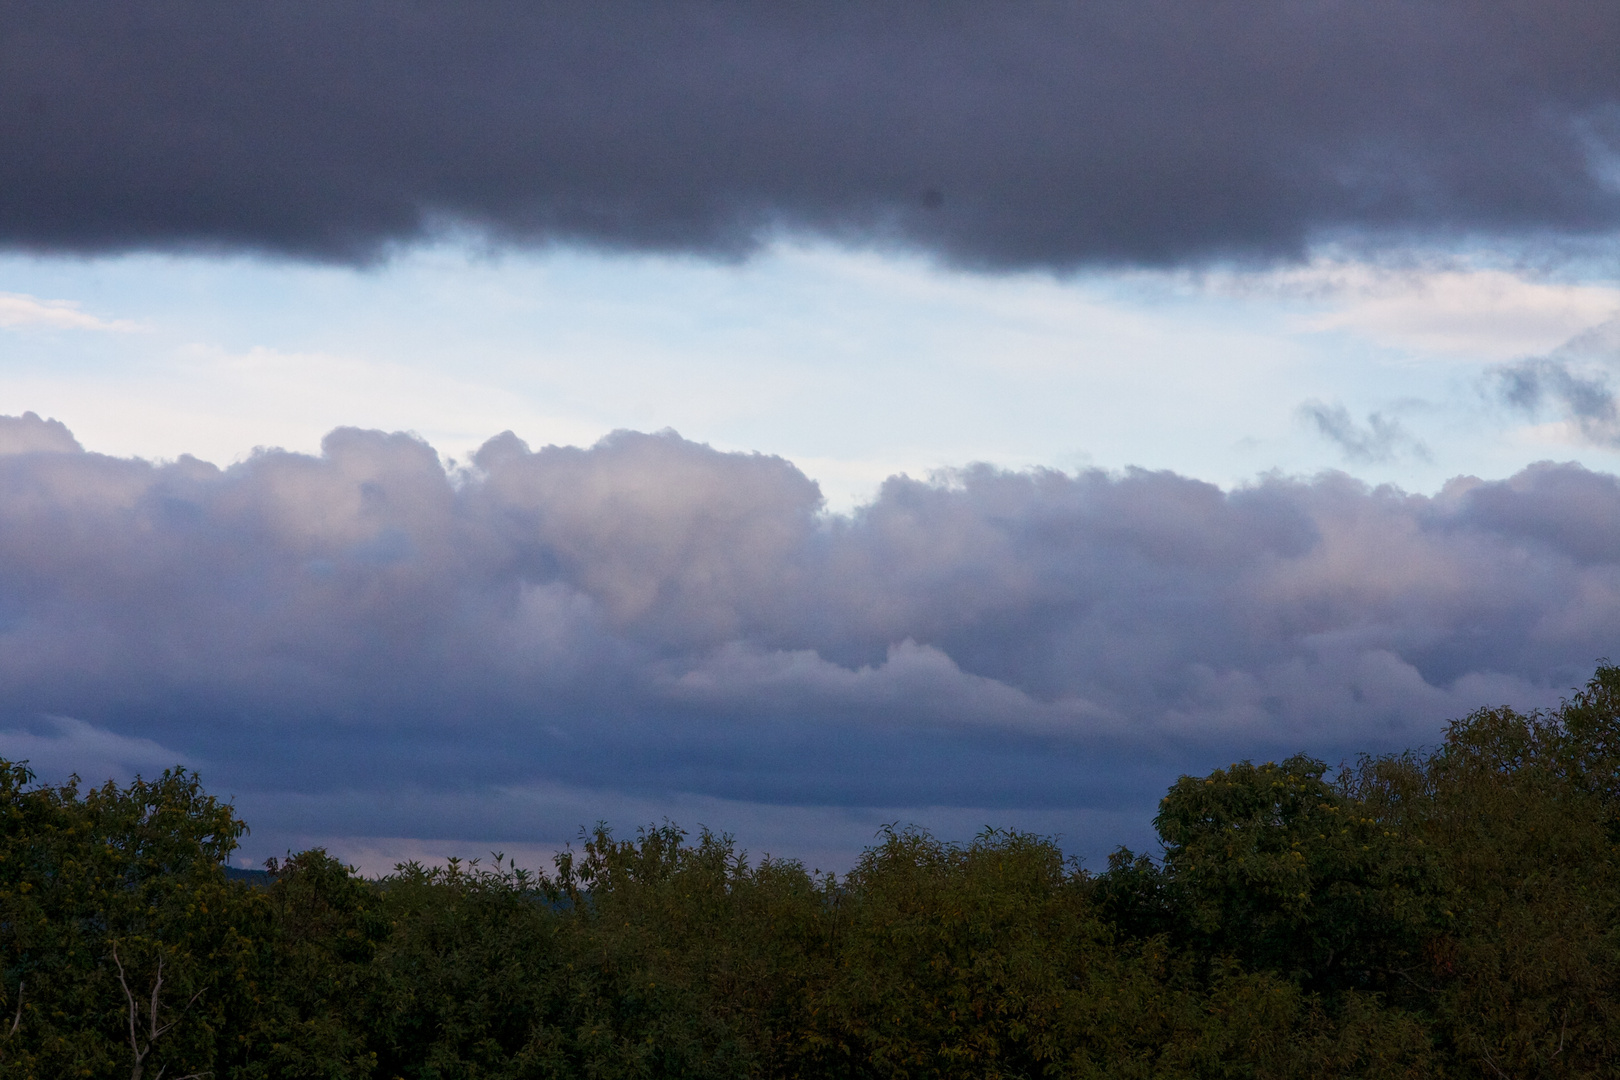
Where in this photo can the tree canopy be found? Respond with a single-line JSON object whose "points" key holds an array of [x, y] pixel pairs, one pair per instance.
{"points": [[1454, 912]]}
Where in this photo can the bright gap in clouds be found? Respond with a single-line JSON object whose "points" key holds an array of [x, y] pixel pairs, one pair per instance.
{"points": [[854, 365]]}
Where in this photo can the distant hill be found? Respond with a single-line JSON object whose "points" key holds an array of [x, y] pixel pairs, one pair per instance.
{"points": [[258, 878]]}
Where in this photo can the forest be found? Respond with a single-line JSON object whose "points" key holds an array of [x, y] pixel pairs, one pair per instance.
{"points": [[1450, 912]]}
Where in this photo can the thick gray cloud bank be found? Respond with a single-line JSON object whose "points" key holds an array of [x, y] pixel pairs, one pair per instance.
{"points": [[1000, 135], [365, 643]]}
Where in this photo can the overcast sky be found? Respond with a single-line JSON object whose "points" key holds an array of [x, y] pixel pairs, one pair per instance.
{"points": [[447, 426]]}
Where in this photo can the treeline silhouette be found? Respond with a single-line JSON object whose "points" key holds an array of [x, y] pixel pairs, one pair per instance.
{"points": [[1452, 913]]}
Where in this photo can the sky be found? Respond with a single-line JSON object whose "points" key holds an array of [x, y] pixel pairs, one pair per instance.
{"points": [[444, 428]]}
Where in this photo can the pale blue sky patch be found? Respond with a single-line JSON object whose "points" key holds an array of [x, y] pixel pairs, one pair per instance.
{"points": [[854, 364]]}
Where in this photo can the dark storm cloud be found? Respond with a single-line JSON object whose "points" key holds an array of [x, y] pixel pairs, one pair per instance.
{"points": [[365, 640], [1036, 134]]}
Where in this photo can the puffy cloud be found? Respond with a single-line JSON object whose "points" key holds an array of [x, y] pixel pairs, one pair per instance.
{"points": [[1049, 134], [28, 434], [368, 634]]}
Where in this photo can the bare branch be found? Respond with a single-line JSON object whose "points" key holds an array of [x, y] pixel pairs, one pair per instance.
{"points": [[134, 1043], [157, 988], [16, 1021], [1402, 973], [155, 1028], [188, 1076]]}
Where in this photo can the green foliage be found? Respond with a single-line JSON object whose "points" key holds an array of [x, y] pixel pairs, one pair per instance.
{"points": [[1455, 913], [114, 902], [1528, 971], [1287, 873], [1473, 891], [316, 961], [700, 964], [958, 961], [468, 981]]}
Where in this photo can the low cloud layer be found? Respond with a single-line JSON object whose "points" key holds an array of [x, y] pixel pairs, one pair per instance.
{"points": [[363, 643], [1042, 134]]}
